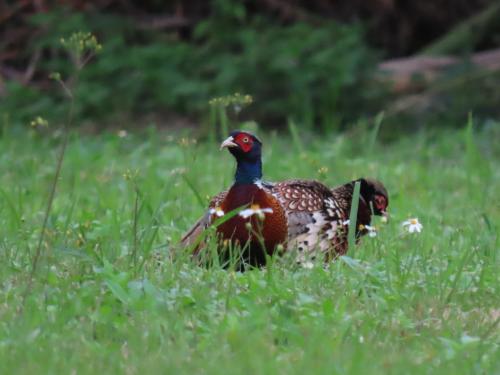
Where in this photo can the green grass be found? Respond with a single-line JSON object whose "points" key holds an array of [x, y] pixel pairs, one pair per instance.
{"points": [[108, 297]]}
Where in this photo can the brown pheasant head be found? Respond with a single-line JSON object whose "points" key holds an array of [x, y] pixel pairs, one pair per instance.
{"points": [[375, 194]]}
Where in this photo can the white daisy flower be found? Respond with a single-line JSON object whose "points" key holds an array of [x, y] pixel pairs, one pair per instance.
{"points": [[216, 211], [308, 265], [412, 225], [372, 231], [255, 210]]}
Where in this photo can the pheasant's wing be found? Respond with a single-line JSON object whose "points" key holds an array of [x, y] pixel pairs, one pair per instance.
{"points": [[343, 195], [315, 220], [192, 236]]}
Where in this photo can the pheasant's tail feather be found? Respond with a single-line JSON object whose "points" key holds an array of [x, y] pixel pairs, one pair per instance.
{"points": [[194, 238]]}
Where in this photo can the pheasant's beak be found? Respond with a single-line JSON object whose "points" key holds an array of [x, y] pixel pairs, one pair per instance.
{"points": [[385, 216], [229, 142]]}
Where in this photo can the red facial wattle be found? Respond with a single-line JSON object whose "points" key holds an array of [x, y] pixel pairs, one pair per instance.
{"points": [[380, 203], [245, 141]]}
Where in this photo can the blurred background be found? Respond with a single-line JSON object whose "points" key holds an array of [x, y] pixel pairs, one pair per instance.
{"points": [[323, 64]]}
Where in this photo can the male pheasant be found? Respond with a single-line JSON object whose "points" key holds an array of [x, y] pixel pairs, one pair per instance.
{"points": [[296, 214]]}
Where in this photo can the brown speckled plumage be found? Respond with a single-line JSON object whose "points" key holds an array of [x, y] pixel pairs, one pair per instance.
{"points": [[307, 217]]}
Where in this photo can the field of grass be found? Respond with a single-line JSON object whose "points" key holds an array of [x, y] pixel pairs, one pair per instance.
{"points": [[107, 297]]}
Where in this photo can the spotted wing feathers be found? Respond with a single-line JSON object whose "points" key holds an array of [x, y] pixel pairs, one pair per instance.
{"points": [[316, 216], [301, 195], [315, 221]]}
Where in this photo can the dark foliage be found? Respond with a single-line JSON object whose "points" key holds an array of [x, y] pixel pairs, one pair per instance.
{"points": [[308, 60], [286, 68]]}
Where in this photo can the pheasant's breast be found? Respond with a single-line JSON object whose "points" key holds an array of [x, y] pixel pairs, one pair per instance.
{"points": [[260, 218]]}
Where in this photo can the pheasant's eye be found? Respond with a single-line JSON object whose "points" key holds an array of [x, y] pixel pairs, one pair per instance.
{"points": [[246, 140]]}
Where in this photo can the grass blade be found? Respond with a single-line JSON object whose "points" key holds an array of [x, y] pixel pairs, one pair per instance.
{"points": [[292, 127], [353, 215], [195, 191], [376, 129]]}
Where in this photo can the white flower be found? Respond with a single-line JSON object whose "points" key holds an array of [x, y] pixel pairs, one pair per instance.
{"points": [[216, 211], [308, 265], [412, 225], [122, 133], [372, 231], [255, 210]]}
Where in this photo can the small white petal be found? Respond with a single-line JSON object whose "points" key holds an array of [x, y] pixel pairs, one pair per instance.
{"points": [[372, 231], [308, 265], [412, 225], [216, 211], [412, 228], [255, 211], [346, 222], [245, 214]]}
